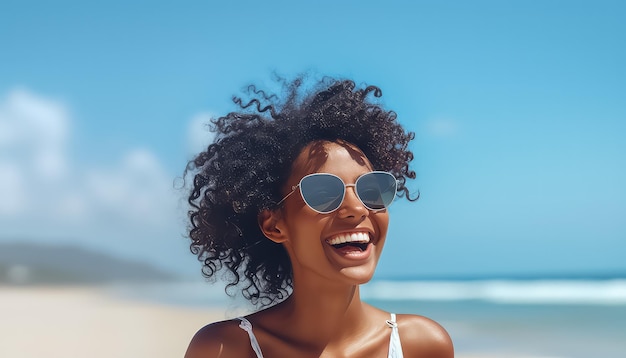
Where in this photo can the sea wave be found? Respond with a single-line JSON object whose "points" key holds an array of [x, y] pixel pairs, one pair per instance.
{"points": [[606, 292]]}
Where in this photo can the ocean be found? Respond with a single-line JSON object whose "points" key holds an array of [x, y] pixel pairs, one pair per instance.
{"points": [[525, 318]]}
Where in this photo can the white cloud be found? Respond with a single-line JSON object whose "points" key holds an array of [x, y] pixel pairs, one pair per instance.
{"points": [[35, 131], [46, 196], [138, 188], [198, 134], [12, 191]]}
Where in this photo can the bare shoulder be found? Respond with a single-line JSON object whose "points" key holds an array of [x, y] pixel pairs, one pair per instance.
{"points": [[219, 339], [423, 337]]}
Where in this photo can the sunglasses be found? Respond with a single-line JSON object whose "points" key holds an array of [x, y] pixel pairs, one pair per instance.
{"points": [[324, 192]]}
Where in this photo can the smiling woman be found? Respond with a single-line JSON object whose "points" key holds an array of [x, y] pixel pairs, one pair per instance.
{"points": [[301, 258]]}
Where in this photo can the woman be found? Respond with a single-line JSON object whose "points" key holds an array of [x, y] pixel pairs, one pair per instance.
{"points": [[290, 201]]}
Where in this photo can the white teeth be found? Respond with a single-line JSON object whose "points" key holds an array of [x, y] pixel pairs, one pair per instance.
{"points": [[349, 237]]}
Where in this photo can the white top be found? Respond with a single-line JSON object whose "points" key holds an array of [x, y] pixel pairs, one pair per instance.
{"points": [[395, 348]]}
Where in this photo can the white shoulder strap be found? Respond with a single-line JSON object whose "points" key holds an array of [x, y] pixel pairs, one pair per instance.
{"points": [[395, 347], [247, 326]]}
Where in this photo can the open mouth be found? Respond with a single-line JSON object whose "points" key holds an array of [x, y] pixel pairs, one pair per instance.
{"points": [[350, 242], [357, 245]]}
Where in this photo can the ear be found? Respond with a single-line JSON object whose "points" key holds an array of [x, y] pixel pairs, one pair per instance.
{"points": [[271, 225]]}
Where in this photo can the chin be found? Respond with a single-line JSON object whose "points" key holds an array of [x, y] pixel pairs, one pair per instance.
{"points": [[358, 275]]}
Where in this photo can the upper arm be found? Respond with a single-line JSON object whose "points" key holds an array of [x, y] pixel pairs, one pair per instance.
{"points": [[423, 337], [217, 340]]}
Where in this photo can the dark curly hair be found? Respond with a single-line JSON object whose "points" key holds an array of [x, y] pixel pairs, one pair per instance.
{"points": [[242, 172]]}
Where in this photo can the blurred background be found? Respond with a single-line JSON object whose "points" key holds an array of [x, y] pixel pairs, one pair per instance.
{"points": [[519, 112]]}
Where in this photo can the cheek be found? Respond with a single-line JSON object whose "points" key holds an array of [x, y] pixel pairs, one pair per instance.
{"points": [[381, 219], [298, 215], [303, 222]]}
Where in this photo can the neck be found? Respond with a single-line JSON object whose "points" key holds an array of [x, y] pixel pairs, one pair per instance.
{"points": [[326, 313], [328, 302]]}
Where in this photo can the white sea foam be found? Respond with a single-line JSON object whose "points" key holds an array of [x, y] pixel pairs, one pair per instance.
{"points": [[606, 292]]}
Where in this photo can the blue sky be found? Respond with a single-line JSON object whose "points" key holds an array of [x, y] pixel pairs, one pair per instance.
{"points": [[518, 107]]}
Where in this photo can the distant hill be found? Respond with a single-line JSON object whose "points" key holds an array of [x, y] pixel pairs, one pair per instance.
{"points": [[31, 263]]}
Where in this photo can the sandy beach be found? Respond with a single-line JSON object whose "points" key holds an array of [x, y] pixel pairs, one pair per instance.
{"points": [[85, 322], [89, 322]]}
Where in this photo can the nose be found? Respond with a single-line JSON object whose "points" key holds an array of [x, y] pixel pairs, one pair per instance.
{"points": [[352, 207]]}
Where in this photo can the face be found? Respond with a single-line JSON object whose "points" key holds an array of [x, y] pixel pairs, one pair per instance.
{"points": [[316, 243]]}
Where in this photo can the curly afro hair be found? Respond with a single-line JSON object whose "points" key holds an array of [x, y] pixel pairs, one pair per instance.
{"points": [[243, 171]]}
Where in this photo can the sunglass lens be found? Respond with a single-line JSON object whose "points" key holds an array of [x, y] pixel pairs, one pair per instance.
{"points": [[377, 189], [322, 192]]}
